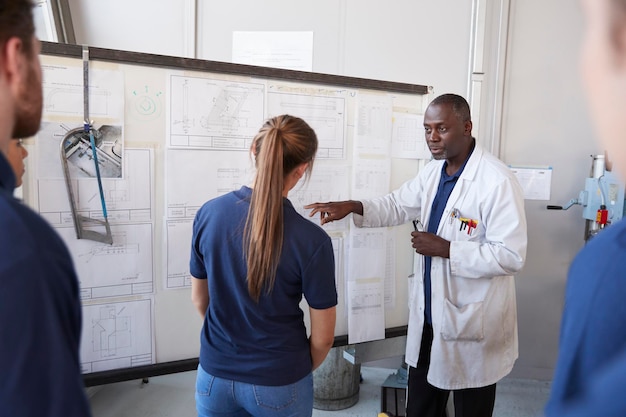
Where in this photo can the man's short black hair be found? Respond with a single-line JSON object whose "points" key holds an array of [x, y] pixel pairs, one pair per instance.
{"points": [[459, 105]]}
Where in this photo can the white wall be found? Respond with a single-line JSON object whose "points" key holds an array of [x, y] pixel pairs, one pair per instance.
{"points": [[419, 42], [151, 26], [544, 121]]}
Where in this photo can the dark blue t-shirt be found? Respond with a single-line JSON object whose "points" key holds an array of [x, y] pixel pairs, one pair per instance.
{"points": [[40, 315], [446, 185], [262, 343]]}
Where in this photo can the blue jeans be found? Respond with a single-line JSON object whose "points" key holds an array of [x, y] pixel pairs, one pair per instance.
{"points": [[224, 397]]}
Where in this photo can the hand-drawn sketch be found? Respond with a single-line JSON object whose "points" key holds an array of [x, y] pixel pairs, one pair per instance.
{"points": [[146, 103]]}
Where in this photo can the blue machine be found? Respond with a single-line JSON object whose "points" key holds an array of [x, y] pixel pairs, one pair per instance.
{"points": [[602, 199]]}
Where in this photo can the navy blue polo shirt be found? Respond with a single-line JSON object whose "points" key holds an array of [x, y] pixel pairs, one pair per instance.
{"points": [[40, 315], [264, 342], [446, 185]]}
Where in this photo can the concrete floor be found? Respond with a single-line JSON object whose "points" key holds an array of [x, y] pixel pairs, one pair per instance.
{"points": [[173, 396]]}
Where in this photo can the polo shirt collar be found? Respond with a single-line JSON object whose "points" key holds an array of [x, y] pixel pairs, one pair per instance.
{"points": [[7, 176]]}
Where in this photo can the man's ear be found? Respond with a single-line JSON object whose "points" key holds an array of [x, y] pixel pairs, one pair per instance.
{"points": [[618, 38], [12, 60], [468, 128]]}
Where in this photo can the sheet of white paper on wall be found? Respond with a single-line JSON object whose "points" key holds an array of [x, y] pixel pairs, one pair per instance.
{"points": [[390, 273], [366, 311], [118, 334], [63, 107], [286, 50], [370, 177], [365, 284], [373, 127], [324, 111], [535, 182]]}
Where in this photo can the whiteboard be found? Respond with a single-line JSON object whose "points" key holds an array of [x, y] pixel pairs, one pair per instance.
{"points": [[181, 133]]}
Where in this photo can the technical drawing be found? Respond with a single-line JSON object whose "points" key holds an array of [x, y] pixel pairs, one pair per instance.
{"points": [[127, 199], [195, 176], [111, 331], [214, 114], [327, 183], [69, 101], [117, 335], [110, 250], [63, 93], [226, 111], [231, 179], [122, 268], [179, 233], [365, 299], [325, 114]]}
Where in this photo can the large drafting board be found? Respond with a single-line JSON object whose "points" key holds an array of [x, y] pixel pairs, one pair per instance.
{"points": [[181, 132]]}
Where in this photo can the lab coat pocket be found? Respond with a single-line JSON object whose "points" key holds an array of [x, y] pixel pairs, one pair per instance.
{"points": [[462, 323]]}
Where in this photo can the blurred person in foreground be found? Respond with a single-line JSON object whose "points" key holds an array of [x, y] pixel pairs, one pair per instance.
{"points": [[253, 258], [590, 373], [40, 311]]}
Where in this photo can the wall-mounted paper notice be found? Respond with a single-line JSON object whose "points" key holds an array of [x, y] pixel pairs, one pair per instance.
{"points": [[286, 50], [535, 182]]}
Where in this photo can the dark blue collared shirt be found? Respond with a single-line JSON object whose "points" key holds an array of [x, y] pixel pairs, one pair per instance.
{"points": [[446, 185], [40, 315]]}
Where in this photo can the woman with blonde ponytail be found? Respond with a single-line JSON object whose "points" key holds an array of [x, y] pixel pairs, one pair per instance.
{"points": [[253, 258]]}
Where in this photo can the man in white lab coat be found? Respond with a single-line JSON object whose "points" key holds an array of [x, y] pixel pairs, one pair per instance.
{"points": [[470, 237]]}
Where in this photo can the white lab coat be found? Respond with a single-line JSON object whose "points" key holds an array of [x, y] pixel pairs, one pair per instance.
{"points": [[474, 310]]}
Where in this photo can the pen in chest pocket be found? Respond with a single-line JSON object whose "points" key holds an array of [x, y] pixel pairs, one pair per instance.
{"points": [[469, 224], [454, 214]]}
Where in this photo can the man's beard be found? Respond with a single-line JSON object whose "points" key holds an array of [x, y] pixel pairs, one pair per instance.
{"points": [[443, 155], [29, 107]]}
